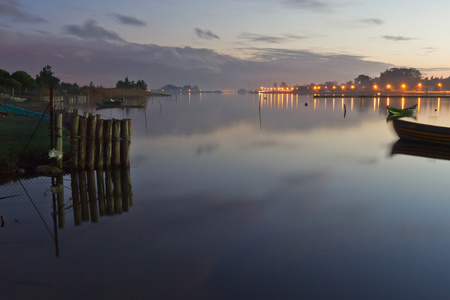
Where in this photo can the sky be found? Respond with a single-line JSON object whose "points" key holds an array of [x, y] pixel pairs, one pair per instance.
{"points": [[223, 44]]}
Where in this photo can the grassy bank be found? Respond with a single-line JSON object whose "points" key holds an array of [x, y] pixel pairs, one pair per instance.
{"points": [[24, 143]]}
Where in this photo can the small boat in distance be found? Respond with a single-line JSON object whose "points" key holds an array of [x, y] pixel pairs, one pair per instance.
{"points": [[112, 101], [398, 111], [119, 105], [421, 132]]}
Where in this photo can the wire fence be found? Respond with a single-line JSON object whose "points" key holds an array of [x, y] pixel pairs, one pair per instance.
{"points": [[33, 209]]}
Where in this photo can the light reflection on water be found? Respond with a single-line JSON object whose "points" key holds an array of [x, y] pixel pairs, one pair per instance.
{"points": [[259, 197]]}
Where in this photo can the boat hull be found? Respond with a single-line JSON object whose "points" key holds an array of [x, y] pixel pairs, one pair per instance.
{"points": [[422, 132]]}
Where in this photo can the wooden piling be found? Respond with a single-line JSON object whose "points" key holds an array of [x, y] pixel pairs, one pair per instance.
{"points": [[82, 143], [116, 144], [90, 153], [99, 157], [125, 142], [108, 143], [59, 139], [74, 122]]}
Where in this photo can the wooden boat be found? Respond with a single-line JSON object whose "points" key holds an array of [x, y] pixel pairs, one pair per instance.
{"points": [[403, 112], [7, 108], [421, 132], [421, 149], [114, 101]]}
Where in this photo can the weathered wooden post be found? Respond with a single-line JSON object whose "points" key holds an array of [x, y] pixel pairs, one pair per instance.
{"points": [[99, 159], [82, 143], [116, 144], [59, 139], [126, 142], [74, 122], [90, 153], [108, 142]]}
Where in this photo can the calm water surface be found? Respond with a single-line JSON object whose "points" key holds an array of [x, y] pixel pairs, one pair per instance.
{"points": [[246, 197]]}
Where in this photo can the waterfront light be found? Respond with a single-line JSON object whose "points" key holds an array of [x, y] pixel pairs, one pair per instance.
{"points": [[375, 86]]}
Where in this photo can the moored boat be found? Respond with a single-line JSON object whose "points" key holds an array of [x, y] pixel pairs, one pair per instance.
{"points": [[421, 132], [406, 111]]}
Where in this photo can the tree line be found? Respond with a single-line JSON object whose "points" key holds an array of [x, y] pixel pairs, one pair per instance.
{"points": [[398, 78], [20, 82]]}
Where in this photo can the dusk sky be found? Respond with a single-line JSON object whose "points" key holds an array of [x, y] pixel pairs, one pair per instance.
{"points": [[223, 44]]}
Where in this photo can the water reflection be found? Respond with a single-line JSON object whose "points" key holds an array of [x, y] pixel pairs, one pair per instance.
{"points": [[421, 149], [246, 197]]}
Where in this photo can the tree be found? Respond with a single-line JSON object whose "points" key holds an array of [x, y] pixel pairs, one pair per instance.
{"points": [[24, 79], [45, 79], [4, 76], [398, 76], [363, 80], [127, 84]]}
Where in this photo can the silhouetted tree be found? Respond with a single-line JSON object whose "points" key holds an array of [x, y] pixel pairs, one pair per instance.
{"points": [[45, 79], [398, 76], [27, 82], [363, 80]]}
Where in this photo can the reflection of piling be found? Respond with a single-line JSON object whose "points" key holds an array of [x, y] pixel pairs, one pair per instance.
{"points": [[83, 196], [60, 199], [126, 189], [117, 191], [109, 193], [98, 194], [75, 197], [92, 196], [101, 192]]}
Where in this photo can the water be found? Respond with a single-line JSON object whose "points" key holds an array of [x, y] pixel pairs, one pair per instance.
{"points": [[242, 197]]}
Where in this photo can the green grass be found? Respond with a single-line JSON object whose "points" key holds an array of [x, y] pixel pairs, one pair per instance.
{"points": [[24, 142]]}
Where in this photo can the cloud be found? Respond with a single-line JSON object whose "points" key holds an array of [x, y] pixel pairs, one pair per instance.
{"points": [[103, 61], [12, 9], [205, 34], [127, 20], [307, 4], [397, 38], [90, 31], [372, 21], [258, 38]]}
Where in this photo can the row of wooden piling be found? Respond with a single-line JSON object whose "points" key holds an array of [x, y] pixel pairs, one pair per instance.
{"points": [[96, 143]]}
